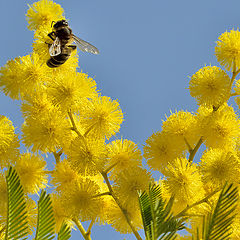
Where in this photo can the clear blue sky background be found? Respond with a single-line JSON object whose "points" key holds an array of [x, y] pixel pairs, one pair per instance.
{"points": [[148, 50]]}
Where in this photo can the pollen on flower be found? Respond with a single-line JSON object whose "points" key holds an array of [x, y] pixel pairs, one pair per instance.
{"points": [[102, 117], [219, 128], [42, 13], [159, 150], [182, 127], [88, 156], [31, 171], [9, 143], [219, 166], [118, 221], [63, 175], [46, 133], [129, 182], [210, 86], [82, 200], [123, 154], [71, 90], [20, 77], [228, 49], [184, 181]]}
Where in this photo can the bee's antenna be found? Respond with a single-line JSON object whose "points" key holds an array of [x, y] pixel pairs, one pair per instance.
{"points": [[52, 23]]}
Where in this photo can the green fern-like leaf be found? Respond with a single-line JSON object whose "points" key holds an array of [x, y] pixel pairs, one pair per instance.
{"points": [[17, 225], [158, 221], [217, 224], [46, 222], [65, 232]]}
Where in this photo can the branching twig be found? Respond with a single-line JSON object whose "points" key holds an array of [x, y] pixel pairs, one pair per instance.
{"points": [[194, 151]]}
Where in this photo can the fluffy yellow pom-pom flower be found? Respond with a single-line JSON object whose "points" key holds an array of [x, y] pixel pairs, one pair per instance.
{"points": [[102, 117], [123, 154], [82, 199], [60, 212], [184, 181], [211, 86], [87, 156], [63, 175], [118, 220], [181, 127], [129, 182], [42, 13], [21, 76], [219, 128], [159, 150], [8, 142], [31, 171], [228, 49], [47, 132], [219, 166], [70, 90]]}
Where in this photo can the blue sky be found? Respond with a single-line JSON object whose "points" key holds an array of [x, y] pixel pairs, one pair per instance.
{"points": [[147, 51]]}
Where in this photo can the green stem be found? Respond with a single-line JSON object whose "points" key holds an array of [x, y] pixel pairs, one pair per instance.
{"points": [[194, 151], [102, 194], [124, 211], [188, 145], [183, 212], [90, 228], [57, 156], [85, 234], [109, 168], [234, 94]]}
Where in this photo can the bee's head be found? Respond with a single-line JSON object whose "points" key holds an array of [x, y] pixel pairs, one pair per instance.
{"points": [[60, 23]]}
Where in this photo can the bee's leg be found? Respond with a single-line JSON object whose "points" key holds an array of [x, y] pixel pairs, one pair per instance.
{"points": [[51, 35], [49, 44], [73, 47]]}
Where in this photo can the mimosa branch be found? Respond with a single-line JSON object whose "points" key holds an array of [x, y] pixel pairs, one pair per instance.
{"points": [[194, 151], [85, 234]]}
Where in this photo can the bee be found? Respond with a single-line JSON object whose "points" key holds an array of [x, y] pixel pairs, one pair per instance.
{"points": [[61, 48]]}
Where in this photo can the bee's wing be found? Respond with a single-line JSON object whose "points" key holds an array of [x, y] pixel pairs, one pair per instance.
{"points": [[85, 46], [55, 48]]}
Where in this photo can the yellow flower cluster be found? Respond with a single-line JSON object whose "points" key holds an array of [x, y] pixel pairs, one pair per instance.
{"points": [[214, 129], [65, 115], [94, 178]]}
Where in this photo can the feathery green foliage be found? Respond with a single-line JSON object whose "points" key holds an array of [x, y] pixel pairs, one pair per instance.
{"points": [[46, 222], [217, 224], [65, 232], [17, 225], [158, 221]]}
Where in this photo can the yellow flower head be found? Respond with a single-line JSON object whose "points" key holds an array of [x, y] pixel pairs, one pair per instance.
{"points": [[87, 156], [82, 201], [9, 144], [219, 166], [31, 171], [21, 76], [228, 49], [63, 175], [60, 212], [46, 133], [159, 150], [181, 126], [210, 86], [102, 117], [184, 181], [118, 220], [37, 105], [42, 13], [129, 182], [219, 128], [123, 154], [71, 90]]}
